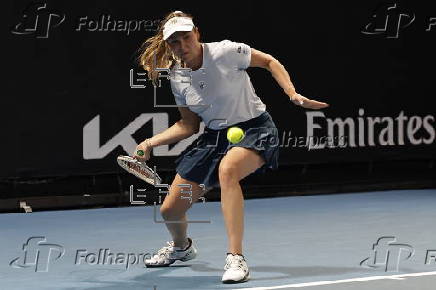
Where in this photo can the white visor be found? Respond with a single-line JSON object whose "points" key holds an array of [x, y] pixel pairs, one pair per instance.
{"points": [[177, 24]]}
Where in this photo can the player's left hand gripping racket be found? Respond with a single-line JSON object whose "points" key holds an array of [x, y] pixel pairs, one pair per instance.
{"points": [[139, 169]]}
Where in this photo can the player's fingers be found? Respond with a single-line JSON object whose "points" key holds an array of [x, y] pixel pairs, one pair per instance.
{"points": [[144, 156], [321, 105], [136, 153], [312, 104], [141, 158]]}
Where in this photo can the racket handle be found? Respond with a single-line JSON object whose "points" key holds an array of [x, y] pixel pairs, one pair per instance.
{"points": [[140, 152]]}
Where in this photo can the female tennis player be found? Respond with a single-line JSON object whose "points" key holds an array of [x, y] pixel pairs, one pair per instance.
{"points": [[217, 91]]}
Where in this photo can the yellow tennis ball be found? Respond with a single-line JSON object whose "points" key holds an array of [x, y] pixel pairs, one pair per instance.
{"points": [[235, 135]]}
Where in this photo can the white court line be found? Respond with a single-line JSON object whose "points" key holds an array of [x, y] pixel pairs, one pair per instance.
{"points": [[363, 279]]}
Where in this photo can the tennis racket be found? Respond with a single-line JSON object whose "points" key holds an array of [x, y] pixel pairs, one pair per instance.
{"points": [[139, 169]]}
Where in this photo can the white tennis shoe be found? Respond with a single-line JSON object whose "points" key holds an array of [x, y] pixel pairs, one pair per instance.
{"points": [[236, 269], [169, 254]]}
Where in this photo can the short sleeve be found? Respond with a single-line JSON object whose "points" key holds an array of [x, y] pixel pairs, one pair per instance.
{"points": [[237, 54], [180, 100]]}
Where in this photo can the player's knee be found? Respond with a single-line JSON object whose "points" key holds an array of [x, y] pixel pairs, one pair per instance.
{"points": [[228, 173]]}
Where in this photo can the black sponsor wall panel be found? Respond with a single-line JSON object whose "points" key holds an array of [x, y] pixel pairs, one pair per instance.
{"points": [[64, 73]]}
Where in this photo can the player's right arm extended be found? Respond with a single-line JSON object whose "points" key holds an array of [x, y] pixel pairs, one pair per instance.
{"points": [[188, 125]]}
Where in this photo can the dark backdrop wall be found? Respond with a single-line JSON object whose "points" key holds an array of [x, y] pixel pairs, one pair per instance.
{"points": [[69, 106]]}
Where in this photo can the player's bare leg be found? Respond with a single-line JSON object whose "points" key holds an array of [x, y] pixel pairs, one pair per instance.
{"points": [[238, 163], [174, 208]]}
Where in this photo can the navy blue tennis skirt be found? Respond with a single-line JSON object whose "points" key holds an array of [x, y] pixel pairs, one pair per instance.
{"points": [[199, 162]]}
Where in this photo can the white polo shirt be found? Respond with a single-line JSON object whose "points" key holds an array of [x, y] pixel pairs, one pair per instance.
{"points": [[221, 86]]}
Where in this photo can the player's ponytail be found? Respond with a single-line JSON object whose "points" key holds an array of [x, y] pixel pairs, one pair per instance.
{"points": [[156, 53]]}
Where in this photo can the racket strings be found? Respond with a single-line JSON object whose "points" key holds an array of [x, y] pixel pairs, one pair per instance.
{"points": [[138, 169]]}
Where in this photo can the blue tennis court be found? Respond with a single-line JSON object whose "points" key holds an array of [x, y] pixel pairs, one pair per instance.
{"points": [[367, 240]]}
